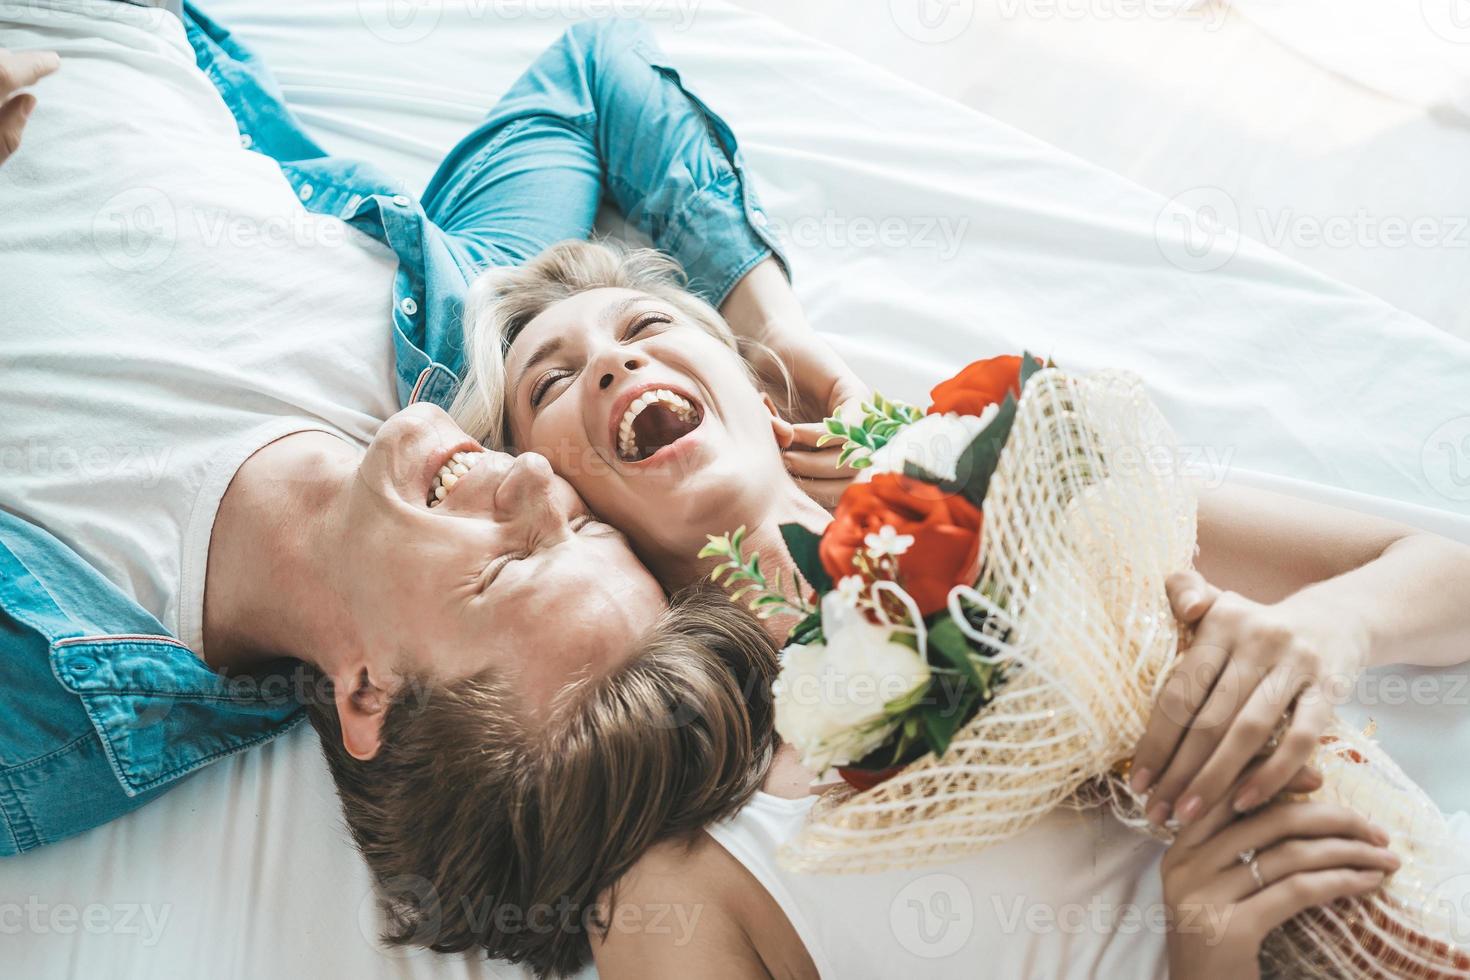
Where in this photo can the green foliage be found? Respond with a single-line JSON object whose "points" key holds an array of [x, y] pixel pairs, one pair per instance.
{"points": [[881, 419], [769, 597], [805, 548]]}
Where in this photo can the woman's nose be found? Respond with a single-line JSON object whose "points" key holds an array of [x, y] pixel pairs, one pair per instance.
{"points": [[610, 370]]}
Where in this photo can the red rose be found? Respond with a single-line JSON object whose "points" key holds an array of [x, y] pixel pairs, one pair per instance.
{"points": [[982, 383], [945, 528]]}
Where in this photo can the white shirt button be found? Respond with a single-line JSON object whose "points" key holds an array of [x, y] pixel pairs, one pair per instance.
{"points": [[305, 192], [401, 200], [408, 306], [246, 141], [352, 203], [759, 217]]}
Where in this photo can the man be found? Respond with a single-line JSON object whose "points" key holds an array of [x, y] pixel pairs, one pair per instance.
{"points": [[204, 469]]}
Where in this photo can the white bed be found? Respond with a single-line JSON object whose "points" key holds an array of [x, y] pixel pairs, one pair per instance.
{"points": [[1264, 366]]}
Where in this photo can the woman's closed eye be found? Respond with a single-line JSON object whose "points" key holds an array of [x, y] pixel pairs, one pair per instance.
{"points": [[547, 382], [642, 323], [543, 385]]}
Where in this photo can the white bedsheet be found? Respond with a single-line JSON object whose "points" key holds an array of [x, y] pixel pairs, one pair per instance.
{"points": [[922, 234]]}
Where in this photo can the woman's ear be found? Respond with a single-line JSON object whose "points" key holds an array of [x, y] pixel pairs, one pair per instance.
{"points": [[784, 432], [361, 707]]}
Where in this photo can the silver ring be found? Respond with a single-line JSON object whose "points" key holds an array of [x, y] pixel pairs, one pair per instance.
{"points": [[1247, 856], [1255, 866]]}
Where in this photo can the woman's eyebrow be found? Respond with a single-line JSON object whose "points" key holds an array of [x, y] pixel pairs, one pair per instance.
{"points": [[545, 349], [613, 312]]}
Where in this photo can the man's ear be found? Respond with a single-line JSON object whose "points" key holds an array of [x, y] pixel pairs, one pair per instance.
{"points": [[784, 433], [361, 707]]}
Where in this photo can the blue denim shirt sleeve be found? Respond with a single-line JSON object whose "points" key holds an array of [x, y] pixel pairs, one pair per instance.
{"points": [[102, 708], [686, 188]]}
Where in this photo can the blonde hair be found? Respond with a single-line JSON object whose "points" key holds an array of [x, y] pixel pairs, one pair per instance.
{"points": [[486, 830], [504, 300]]}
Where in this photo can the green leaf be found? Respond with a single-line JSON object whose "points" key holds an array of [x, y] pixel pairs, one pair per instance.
{"points": [[941, 721], [916, 472], [805, 546], [808, 631], [1029, 366], [950, 642], [976, 465]]}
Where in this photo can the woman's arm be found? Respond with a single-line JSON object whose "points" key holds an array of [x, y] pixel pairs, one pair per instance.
{"points": [[1319, 593], [1408, 590], [763, 309]]}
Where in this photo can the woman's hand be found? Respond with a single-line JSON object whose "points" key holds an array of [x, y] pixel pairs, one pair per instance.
{"points": [[19, 69], [1249, 666], [764, 312], [815, 467], [1228, 880]]}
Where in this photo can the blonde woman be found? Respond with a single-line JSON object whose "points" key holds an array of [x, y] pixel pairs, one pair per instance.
{"points": [[597, 359]]}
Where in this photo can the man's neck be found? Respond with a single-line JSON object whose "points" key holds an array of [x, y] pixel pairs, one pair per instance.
{"points": [[269, 589]]}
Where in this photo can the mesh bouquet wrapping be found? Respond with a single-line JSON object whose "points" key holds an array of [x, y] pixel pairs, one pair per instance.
{"points": [[1088, 512]]}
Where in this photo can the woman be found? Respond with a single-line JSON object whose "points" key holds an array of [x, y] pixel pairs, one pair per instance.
{"points": [[635, 391]]}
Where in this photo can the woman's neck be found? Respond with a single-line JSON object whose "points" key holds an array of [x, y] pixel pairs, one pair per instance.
{"points": [[788, 505]]}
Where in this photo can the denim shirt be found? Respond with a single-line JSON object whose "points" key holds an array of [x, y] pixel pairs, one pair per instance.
{"points": [[102, 709]]}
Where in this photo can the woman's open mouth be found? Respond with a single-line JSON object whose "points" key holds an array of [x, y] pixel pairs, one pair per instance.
{"points": [[652, 419]]}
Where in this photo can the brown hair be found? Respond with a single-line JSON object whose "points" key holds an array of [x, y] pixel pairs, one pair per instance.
{"points": [[504, 300], [484, 830]]}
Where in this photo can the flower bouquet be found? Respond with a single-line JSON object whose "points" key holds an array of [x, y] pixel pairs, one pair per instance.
{"points": [[985, 629]]}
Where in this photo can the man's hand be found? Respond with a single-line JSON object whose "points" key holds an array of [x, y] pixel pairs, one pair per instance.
{"points": [[18, 70]]}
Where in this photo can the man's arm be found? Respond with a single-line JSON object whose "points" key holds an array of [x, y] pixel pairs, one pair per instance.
{"points": [[18, 70]]}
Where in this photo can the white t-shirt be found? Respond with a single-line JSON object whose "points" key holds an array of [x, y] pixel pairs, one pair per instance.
{"points": [[167, 306], [1077, 896]]}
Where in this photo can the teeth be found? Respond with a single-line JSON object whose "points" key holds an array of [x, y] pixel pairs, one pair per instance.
{"points": [[451, 473], [627, 442]]}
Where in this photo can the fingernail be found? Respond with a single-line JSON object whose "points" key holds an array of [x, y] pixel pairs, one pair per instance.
{"points": [[1158, 813], [1391, 859], [1189, 809], [1379, 836], [1141, 780], [1248, 800]]}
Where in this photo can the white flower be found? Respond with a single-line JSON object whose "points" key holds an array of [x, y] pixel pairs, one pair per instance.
{"points": [[934, 442], [832, 699], [888, 542], [850, 589]]}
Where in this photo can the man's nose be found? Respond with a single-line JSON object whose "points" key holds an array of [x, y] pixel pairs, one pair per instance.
{"points": [[615, 365], [525, 495]]}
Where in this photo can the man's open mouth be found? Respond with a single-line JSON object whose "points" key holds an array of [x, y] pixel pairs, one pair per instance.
{"points": [[656, 418]]}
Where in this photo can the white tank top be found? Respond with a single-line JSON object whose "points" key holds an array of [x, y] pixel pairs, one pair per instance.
{"points": [[1076, 896]]}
